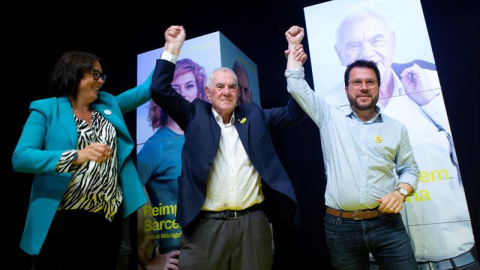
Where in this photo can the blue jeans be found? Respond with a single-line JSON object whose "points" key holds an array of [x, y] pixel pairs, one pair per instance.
{"points": [[351, 241]]}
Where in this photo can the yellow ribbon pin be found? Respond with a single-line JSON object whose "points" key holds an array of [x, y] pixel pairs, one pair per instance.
{"points": [[243, 120], [378, 139]]}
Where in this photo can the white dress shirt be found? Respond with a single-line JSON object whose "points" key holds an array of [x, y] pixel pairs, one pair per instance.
{"points": [[233, 182]]}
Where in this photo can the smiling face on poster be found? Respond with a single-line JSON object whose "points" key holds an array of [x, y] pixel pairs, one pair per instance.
{"points": [[328, 36], [393, 34], [203, 50]]}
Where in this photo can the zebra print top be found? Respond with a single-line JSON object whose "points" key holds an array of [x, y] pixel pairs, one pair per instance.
{"points": [[94, 186]]}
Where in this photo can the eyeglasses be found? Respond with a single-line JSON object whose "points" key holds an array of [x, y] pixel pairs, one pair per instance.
{"points": [[359, 83], [97, 74]]}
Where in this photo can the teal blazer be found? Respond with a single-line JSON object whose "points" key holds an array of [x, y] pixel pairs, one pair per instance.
{"points": [[49, 131]]}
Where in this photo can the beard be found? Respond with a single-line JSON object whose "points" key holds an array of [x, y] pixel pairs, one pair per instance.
{"points": [[362, 106]]}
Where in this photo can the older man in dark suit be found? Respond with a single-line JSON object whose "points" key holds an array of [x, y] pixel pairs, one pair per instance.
{"points": [[230, 170]]}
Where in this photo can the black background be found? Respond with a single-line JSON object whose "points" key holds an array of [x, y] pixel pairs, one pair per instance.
{"points": [[33, 41]]}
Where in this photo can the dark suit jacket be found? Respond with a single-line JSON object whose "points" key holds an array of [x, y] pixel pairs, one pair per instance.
{"points": [[202, 135]]}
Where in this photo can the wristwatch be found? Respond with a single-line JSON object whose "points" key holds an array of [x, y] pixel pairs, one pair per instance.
{"points": [[402, 191]]}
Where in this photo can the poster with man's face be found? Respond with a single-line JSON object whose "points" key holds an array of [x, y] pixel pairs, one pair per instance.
{"points": [[393, 34], [403, 38]]}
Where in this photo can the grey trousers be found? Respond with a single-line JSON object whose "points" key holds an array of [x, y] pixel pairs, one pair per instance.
{"points": [[243, 243]]}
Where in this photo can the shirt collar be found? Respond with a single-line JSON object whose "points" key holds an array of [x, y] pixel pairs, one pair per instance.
{"points": [[219, 119], [348, 112]]}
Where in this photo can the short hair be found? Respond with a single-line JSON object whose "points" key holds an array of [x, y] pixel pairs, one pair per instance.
{"points": [[359, 16], [361, 63], [159, 117], [211, 77], [69, 70]]}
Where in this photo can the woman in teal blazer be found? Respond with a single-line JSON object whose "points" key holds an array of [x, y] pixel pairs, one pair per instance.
{"points": [[78, 146]]}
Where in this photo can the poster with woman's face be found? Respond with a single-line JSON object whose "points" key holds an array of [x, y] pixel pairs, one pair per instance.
{"points": [[202, 51]]}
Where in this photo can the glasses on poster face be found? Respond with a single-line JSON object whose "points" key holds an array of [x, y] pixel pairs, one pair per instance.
{"points": [[358, 83], [97, 75]]}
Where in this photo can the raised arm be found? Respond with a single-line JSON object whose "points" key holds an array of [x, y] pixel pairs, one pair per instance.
{"points": [[296, 84], [294, 37], [163, 93], [174, 38]]}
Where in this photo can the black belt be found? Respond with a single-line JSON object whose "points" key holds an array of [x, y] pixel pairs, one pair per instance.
{"points": [[461, 260], [229, 214]]}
